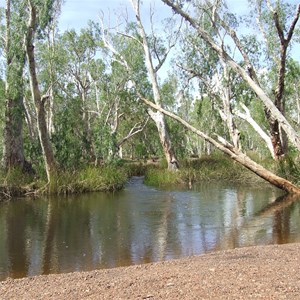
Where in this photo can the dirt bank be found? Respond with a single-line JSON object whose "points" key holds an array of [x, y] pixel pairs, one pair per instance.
{"points": [[269, 272]]}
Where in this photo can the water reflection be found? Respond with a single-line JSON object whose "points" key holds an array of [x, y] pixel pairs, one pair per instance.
{"points": [[137, 225]]}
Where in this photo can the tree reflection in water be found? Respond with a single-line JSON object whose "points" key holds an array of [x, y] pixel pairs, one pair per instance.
{"points": [[138, 225]]}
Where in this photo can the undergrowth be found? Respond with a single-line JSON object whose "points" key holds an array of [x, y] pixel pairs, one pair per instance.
{"points": [[206, 168], [89, 179]]}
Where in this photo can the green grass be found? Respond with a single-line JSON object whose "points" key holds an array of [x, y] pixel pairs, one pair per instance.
{"points": [[206, 168], [89, 179], [114, 176]]}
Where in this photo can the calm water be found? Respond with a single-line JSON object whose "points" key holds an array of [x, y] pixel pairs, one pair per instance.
{"points": [[137, 225]]}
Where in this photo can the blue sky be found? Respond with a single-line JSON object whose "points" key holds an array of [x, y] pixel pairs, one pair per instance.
{"points": [[76, 13]]}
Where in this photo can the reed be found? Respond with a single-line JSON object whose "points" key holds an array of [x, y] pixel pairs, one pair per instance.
{"points": [[206, 168]]}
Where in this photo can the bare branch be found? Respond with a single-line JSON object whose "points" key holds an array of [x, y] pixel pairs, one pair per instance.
{"points": [[246, 116], [294, 137], [117, 56], [293, 25], [134, 130], [239, 45], [130, 36]]}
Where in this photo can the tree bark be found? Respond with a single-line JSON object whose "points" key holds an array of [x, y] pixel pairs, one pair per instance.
{"points": [[278, 137], [157, 117], [227, 109], [235, 154], [39, 101], [165, 140]]}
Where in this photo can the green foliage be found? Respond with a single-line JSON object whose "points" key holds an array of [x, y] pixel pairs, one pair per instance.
{"points": [[135, 168], [68, 139], [95, 103], [47, 10], [2, 114], [288, 168], [15, 177]]}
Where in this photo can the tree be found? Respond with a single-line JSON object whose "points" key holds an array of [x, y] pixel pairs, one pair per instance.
{"points": [[39, 16], [13, 150], [214, 80], [250, 77], [234, 153], [80, 51], [247, 72], [273, 21], [157, 117], [152, 50]]}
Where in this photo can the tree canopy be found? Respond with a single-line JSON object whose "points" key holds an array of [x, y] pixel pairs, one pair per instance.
{"points": [[100, 93]]}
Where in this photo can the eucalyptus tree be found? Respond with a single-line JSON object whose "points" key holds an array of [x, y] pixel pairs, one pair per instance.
{"points": [[248, 74], [49, 60], [200, 67], [292, 91], [277, 21], [40, 15], [245, 68], [154, 50], [80, 50], [151, 53], [125, 116], [99, 97], [13, 149]]}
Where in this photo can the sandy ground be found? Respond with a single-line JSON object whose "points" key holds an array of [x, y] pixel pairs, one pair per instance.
{"points": [[263, 272]]}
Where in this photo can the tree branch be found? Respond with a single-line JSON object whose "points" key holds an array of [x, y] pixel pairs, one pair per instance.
{"points": [[134, 130], [223, 55]]}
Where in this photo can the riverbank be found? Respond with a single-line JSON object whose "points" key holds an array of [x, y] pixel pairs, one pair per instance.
{"points": [[113, 176], [260, 272]]}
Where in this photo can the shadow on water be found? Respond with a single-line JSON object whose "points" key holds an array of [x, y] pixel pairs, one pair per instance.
{"points": [[139, 224]]}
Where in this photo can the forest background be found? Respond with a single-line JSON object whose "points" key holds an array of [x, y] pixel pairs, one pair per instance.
{"points": [[78, 101]]}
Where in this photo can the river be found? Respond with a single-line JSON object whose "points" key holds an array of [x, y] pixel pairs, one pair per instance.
{"points": [[139, 224]]}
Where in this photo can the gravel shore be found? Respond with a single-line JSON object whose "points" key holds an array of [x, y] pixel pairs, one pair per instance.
{"points": [[261, 272]]}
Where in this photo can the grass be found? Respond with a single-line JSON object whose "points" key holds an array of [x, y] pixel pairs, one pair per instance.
{"points": [[89, 179], [206, 168], [114, 176]]}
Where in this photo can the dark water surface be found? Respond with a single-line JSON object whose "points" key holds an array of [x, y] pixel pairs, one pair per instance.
{"points": [[137, 225]]}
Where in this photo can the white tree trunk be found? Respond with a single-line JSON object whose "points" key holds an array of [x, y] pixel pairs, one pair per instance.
{"points": [[293, 136], [235, 154], [39, 101], [248, 118], [157, 117]]}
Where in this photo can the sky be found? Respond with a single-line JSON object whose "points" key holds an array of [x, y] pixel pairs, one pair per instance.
{"points": [[77, 13]]}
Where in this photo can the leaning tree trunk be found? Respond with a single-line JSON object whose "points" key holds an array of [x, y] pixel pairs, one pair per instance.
{"points": [[39, 101], [291, 133], [234, 153]]}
